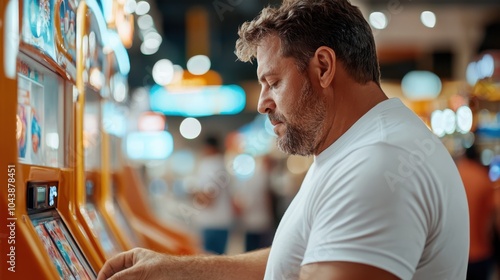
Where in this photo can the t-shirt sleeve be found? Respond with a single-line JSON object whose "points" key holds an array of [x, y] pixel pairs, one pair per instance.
{"points": [[364, 217]]}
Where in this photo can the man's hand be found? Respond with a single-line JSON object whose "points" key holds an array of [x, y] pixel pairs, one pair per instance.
{"points": [[136, 264], [139, 264]]}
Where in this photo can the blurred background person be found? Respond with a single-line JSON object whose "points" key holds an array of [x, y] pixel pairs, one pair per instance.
{"points": [[212, 197], [480, 196], [253, 199]]}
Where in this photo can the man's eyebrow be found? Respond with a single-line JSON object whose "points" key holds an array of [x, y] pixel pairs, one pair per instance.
{"points": [[269, 72]]}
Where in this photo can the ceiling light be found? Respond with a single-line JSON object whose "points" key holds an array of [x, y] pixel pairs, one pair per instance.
{"points": [[130, 6], [464, 119], [152, 40], [378, 20], [471, 74], [146, 50], [163, 72], [486, 66], [142, 8], [428, 18], [190, 128], [144, 22], [198, 64]]}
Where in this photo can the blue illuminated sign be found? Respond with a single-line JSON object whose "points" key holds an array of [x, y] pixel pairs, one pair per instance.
{"points": [[198, 101], [151, 145]]}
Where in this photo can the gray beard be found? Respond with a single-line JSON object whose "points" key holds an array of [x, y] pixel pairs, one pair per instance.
{"points": [[303, 129]]}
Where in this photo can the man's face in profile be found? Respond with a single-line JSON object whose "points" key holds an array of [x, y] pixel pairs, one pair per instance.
{"points": [[288, 97]]}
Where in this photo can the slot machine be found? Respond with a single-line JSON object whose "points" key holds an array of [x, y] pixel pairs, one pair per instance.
{"points": [[114, 123], [115, 210], [123, 194], [116, 68], [92, 172], [140, 227], [38, 140]]}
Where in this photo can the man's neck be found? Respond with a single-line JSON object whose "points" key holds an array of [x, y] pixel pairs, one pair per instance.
{"points": [[346, 106]]}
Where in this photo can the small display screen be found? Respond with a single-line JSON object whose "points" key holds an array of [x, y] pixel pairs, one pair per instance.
{"points": [[52, 195], [41, 195]]}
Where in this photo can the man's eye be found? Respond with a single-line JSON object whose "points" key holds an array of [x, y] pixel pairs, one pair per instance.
{"points": [[273, 85]]}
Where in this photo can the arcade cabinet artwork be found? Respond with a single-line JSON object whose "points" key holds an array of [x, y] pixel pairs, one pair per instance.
{"points": [[30, 116]]}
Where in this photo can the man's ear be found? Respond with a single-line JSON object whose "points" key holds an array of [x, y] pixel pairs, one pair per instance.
{"points": [[323, 66]]}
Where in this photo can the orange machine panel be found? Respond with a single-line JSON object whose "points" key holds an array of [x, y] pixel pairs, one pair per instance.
{"points": [[156, 235]]}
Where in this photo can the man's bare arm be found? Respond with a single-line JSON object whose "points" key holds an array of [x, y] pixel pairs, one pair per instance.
{"points": [[140, 264], [343, 271]]}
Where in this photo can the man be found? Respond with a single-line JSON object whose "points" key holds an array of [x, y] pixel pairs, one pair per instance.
{"points": [[383, 198]]}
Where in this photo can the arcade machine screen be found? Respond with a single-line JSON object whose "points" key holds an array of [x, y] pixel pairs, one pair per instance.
{"points": [[60, 246], [39, 114]]}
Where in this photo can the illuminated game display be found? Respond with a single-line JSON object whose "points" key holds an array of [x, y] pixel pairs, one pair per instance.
{"points": [[39, 131]]}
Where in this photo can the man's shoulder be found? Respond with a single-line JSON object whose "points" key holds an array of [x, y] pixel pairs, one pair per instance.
{"points": [[382, 166], [376, 153]]}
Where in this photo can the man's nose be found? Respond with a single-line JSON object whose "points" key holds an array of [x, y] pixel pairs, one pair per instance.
{"points": [[266, 102]]}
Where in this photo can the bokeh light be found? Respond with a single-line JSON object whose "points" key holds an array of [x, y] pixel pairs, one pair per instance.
{"points": [[190, 128]]}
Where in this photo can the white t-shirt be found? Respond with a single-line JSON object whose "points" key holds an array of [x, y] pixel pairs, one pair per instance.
{"points": [[213, 179], [386, 194]]}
